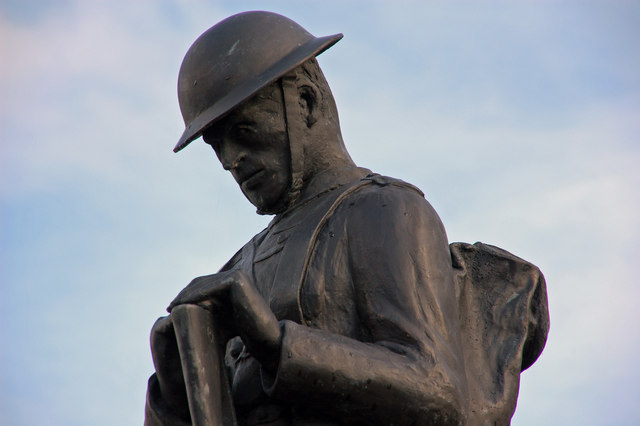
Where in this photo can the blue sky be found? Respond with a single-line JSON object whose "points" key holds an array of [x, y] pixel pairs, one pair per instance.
{"points": [[519, 120]]}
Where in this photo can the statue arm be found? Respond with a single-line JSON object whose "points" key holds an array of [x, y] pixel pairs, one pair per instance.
{"points": [[157, 411], [406, 365], [166, 402]]}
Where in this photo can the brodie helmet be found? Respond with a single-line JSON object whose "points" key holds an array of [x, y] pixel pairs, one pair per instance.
{"points": [[236, 58]]}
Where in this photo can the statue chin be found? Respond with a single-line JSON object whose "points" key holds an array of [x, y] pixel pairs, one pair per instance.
{"points": [[268, 206]]}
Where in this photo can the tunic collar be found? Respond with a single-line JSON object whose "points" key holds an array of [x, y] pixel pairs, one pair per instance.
{"points": [[323, 182]]}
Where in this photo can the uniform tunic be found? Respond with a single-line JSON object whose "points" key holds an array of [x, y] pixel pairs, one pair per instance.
{"points": [[360, 276]]}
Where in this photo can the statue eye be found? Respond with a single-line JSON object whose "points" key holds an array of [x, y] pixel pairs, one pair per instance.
{"points": [[243, 130]]}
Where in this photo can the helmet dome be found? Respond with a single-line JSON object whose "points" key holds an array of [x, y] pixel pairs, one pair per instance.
{"points": [[234, 59]]}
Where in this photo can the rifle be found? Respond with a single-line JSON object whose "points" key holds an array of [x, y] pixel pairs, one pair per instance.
{"points": [[202, 349]]}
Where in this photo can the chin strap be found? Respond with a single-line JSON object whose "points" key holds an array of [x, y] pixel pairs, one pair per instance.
{"points": [[294, 123]]}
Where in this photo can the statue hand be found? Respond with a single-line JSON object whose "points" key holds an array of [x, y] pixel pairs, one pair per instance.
{"points": [[208, 288], [253, 319]]}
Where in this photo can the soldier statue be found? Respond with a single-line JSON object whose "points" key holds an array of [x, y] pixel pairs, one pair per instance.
{"points": [[351, 307]]}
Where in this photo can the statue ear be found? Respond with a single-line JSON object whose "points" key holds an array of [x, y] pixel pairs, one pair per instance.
{"points": [[309, 100]]}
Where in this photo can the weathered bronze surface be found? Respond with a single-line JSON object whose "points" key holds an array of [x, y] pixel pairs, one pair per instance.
{"points": [[351, 307]]}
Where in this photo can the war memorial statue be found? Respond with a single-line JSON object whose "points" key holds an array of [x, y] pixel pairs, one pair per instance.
{"points": [[351, 307]]}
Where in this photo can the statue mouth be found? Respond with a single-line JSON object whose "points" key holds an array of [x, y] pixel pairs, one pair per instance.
{"points": [[253, 179]]}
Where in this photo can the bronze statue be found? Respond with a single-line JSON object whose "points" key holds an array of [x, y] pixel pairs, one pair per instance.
{"points": [[351, 307]]}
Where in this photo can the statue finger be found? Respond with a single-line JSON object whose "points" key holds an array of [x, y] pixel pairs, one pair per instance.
{"points": [[209, 287]]}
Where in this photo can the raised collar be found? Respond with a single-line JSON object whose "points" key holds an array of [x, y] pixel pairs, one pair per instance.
{"points": [[323, 182]]}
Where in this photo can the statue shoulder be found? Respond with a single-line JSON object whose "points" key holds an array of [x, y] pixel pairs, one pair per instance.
{"points": [[393, 183], [387, 197]]}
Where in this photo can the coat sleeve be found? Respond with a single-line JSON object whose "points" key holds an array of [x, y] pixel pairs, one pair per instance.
{"points": [[406, 365], [156, 411]]}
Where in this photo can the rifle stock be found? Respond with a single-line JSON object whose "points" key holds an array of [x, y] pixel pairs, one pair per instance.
{"points": [[202, 355]]}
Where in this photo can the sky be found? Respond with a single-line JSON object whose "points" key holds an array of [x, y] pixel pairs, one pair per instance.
{"points": [[519, 120]]}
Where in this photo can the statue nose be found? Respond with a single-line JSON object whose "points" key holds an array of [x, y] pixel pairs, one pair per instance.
{"points": [[232, 165], [231, 156]]}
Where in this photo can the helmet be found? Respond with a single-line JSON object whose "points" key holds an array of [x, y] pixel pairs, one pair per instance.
{"points": [[236, 58]]}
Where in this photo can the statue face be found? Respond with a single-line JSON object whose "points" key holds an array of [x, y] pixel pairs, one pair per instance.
{"points": [[251, 142]]}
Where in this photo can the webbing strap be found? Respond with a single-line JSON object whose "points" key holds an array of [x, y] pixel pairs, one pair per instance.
{"points": [[294, 125]]}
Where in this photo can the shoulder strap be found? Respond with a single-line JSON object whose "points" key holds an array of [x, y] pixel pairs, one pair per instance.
{"points": [[297, 251], [293, 270]]}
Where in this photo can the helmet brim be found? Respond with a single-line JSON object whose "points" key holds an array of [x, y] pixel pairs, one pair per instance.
{"points": [[245, 91]]}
